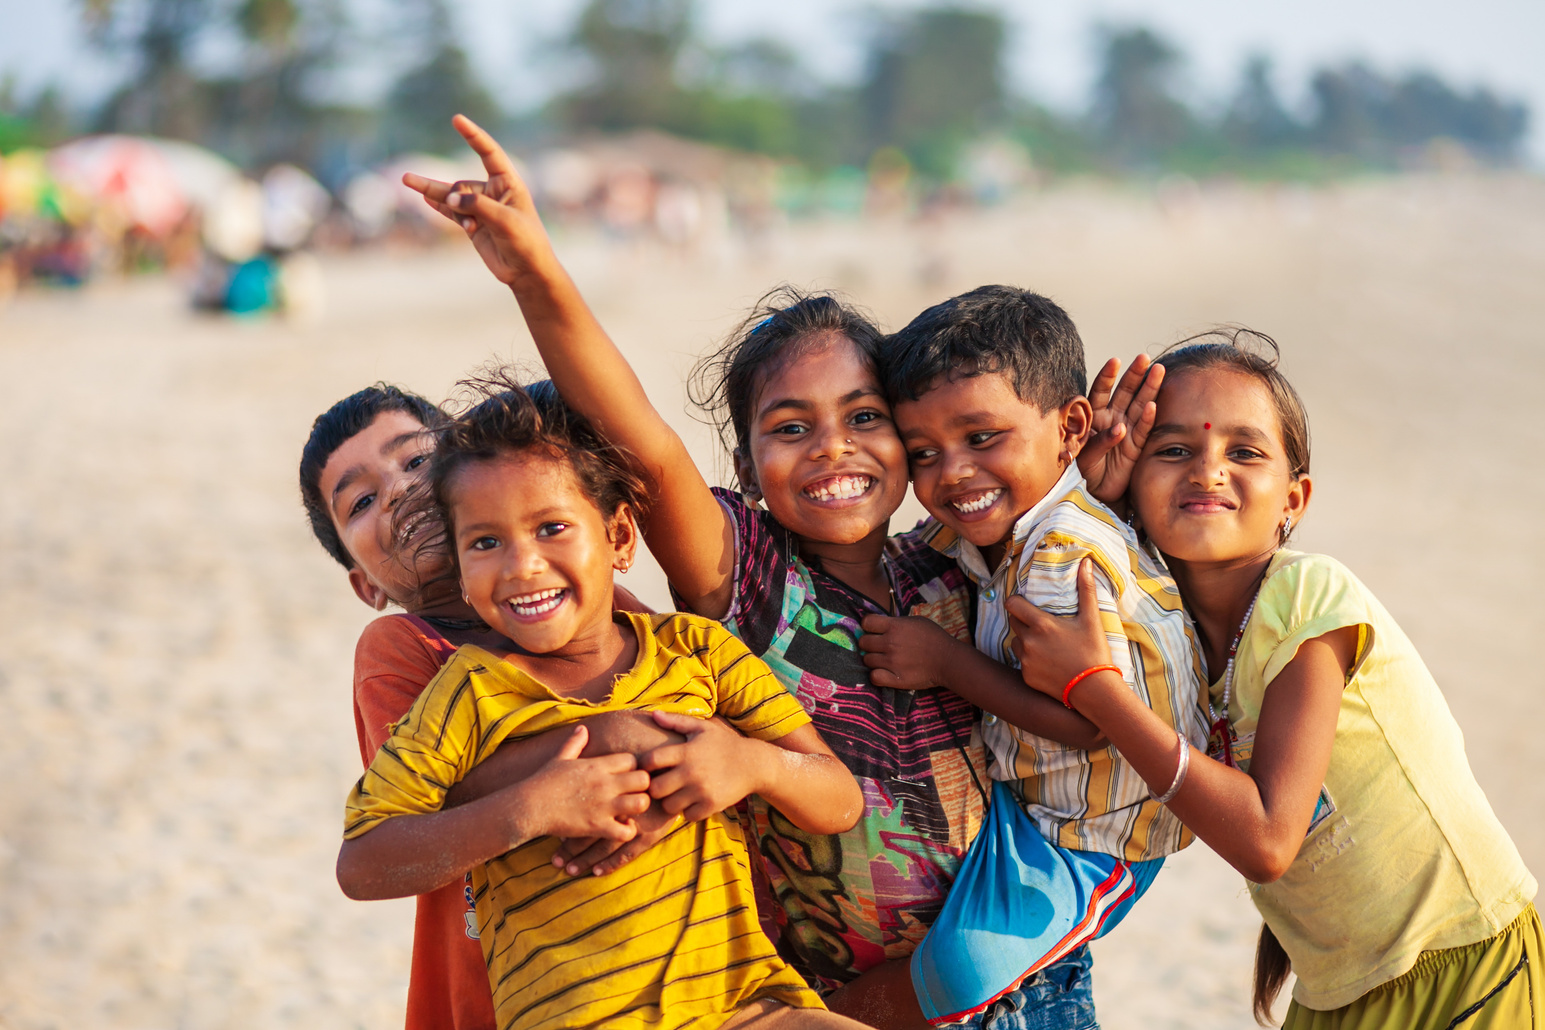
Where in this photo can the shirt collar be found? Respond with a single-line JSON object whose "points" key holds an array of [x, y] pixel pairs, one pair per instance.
{"points": [[942, 538]]}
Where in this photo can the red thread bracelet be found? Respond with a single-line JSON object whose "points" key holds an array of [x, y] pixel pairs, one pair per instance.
{"points": [[1076, 680]]}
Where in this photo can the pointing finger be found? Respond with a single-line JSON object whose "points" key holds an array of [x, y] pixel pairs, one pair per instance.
{"points": [[495, 161]]}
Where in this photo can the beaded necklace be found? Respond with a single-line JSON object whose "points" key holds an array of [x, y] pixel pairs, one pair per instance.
{"points": [[1220, 739]]}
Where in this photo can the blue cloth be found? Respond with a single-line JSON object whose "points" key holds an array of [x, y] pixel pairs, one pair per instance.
{"points": [[1018, 905], [1059, 997]]}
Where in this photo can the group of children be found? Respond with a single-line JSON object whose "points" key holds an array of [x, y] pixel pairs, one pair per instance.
{"points": [[873, 779]]}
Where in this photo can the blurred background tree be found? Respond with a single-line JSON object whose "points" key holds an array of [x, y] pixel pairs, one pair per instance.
{"points": [[257, 80], [440, 83]]}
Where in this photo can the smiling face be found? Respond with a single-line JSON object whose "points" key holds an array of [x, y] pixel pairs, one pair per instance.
{"points": [[536, 555], [361, 484], [982, 457], [1213, 485], [825, 457]]}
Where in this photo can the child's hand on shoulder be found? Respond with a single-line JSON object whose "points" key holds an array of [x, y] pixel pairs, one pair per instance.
{"points": [[711, 771], [1052, 649], [904, 652], [572, 796], [1123, 415], [498, 215]]}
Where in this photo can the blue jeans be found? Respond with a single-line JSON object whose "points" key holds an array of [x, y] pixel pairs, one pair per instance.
{"points": [[1059, 997]]}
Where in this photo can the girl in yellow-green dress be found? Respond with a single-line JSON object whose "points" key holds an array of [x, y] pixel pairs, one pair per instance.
{"points": [[1336, 779]]}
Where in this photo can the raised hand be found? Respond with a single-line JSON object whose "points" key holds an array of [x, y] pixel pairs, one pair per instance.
{"points": [[1123, 414], [498, 214], [902, 652]]}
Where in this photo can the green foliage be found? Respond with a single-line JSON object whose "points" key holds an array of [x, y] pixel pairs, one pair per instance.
{"points": [[935, 81], [933, 85]]}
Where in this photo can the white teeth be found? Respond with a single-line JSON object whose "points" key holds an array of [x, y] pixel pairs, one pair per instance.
{"points": [[982, 503], [842, 488], [537, 603]]}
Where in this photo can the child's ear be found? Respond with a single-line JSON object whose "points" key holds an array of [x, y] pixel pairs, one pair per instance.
{"points": [[1076, 419], [745, 475], [1298, 498], [366, 590], [623, 534]]}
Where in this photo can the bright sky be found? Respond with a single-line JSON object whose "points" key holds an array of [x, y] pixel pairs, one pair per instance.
{"points": [[1480, 42]]}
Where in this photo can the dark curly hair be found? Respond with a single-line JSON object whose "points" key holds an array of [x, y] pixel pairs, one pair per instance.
{"points": [[330, 431], [784, 323], [504, 416]]}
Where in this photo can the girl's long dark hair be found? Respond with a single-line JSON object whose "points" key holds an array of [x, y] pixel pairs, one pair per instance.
{"points": [[1271, 972]]}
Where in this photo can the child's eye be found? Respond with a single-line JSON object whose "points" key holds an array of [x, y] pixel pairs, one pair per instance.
{"points": [[789, 429], [551, 528], [923, 454], [417, 460], [1245, 454], [364, 501], [1172, 451], [864, 418], [977, 439], [483, 543]]}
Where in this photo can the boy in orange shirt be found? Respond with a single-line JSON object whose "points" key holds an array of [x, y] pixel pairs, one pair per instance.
{"points": [[362, 455]]}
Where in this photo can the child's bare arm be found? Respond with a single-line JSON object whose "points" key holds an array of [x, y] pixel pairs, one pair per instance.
{"points": [[1257, 820], [914, 654], [591, 373], [716, 767], [569, 796], [1123, 415]]}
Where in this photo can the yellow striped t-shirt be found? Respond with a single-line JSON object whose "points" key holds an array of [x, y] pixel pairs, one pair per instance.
{"points": [[1089, 800], [671, 939]]}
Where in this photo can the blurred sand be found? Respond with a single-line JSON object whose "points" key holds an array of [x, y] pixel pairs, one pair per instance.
{"points": [[175, 650]]}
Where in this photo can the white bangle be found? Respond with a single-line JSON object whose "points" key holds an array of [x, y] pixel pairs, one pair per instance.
{"points": [[1183, 767]]}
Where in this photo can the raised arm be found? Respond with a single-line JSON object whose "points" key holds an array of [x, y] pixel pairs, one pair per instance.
{"points": [[689, 533], [1257, 820]]}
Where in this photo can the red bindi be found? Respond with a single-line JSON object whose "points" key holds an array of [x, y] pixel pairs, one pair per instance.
{"points": [[1206, 425]]}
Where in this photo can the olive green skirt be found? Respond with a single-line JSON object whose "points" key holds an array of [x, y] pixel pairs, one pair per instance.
{"points": [[1497, 984]]}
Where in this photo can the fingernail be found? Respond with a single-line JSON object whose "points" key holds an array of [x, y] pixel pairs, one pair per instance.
{"points": [[467, 224]]}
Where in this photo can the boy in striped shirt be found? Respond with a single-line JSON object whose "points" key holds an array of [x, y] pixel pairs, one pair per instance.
{"points": [[988, 394]]}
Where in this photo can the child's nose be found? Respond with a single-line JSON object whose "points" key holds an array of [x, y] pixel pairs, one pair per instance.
{"points": [[833, 441]]}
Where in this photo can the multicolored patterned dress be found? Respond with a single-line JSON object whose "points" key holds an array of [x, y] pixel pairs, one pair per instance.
{"points": [[847, 902]]}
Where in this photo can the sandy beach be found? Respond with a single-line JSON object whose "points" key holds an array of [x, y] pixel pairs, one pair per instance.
{"points": [[175, 650]]}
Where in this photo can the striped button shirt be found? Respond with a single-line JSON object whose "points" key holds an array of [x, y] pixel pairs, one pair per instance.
{"points": [[672, 938], [1089, 800]]}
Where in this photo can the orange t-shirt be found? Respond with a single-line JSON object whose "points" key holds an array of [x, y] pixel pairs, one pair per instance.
{"points": [[448, 988]]}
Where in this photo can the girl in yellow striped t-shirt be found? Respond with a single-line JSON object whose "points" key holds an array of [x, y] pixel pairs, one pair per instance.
{"points": [[1340, 787], [538, 511]]}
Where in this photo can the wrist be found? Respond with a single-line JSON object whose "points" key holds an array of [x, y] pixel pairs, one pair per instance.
{"points": [[521, 821], [1095, 697], [540, 275]]}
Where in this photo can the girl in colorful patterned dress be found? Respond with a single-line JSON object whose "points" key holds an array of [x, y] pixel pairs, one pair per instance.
{"points": [[1340, 787], [792, 563]]}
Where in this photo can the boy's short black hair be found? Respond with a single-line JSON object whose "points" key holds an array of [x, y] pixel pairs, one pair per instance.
{"points": [[1024, 335], [332, 428]]}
